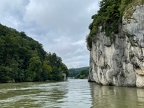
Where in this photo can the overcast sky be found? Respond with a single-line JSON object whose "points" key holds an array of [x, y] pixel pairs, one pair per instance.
{"points": [[60, 26]]}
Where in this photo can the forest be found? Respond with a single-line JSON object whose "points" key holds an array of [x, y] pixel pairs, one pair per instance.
{"points": [[79, 73], [22, 59]]}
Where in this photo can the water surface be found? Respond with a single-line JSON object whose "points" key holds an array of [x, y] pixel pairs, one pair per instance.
{"points": [[116, 97], [74, 93], [70, 94]]}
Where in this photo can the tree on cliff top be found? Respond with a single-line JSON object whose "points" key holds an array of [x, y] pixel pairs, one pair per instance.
{"points": [[109, 18]]}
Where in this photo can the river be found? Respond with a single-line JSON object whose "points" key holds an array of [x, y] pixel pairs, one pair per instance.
{"points": [[74, 93]]}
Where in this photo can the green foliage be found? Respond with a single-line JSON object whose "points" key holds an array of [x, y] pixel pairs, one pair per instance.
{"points": [[89, 42], [58, 68], [5, 74], [23, 59], [109, 17], [79, 72]]}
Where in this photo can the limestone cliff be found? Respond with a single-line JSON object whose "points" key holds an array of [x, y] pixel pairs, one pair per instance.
{"points": [[119, 62]]}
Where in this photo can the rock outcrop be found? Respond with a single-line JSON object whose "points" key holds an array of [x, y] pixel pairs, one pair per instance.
{"points": [[120, 63]]}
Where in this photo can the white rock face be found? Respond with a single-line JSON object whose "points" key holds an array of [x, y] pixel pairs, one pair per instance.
{"points": [[140, 80], [117, 63]]}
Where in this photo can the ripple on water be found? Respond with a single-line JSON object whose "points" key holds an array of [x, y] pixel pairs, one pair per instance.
{"points": [[46, 95]]}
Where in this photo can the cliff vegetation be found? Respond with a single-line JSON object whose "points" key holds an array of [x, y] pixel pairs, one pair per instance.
{"points": [[109, 17]]}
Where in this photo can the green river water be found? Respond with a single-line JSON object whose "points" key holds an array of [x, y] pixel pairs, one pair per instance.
{"points": [[74, 93]]}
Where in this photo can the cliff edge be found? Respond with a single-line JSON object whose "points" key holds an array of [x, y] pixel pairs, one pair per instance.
{"points": [[116, 43]]}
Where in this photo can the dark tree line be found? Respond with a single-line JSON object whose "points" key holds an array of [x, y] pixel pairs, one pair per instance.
{"points": [[79, 73], [24, 59]]}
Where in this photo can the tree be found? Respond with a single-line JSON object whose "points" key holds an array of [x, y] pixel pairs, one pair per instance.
{"points": [[24, 59], [47, 69]]}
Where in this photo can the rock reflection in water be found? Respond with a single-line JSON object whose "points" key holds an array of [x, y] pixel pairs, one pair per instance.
{"points": [[116, 97]]}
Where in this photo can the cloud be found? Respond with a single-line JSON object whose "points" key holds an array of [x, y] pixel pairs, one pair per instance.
{"points": [[60, 25]]}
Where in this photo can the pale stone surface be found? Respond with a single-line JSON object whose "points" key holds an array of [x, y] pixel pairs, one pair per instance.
{"points": [[116, 63], [64, 76], [140, 80]]}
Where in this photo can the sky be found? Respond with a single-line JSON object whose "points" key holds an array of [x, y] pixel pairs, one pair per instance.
{"points": [[61, 26]]}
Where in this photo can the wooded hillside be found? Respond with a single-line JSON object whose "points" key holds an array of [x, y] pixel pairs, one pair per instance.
{"points": [[24, 59]]}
